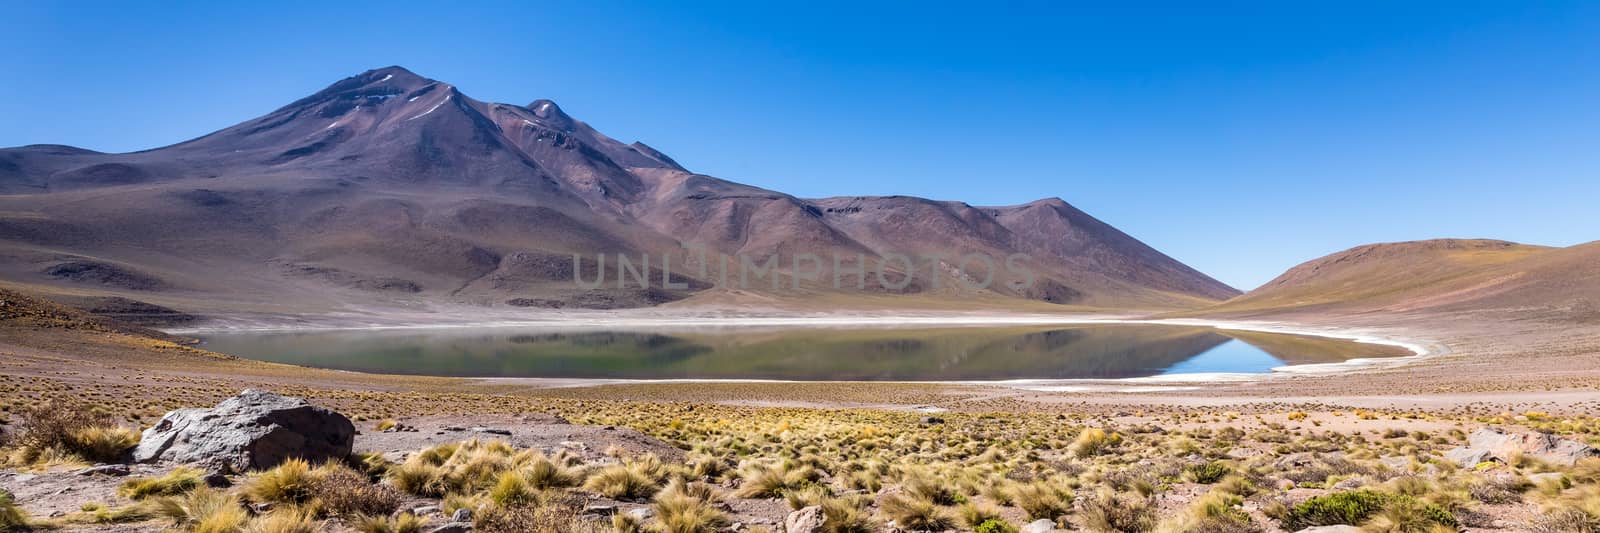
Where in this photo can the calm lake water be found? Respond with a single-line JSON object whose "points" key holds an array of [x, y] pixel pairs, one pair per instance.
{"points": [[823, 354]]}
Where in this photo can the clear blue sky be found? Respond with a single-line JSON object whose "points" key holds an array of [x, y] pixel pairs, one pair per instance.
{"points": [[1241, 139]]}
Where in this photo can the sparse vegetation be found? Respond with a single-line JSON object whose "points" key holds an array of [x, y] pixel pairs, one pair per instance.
{"points": [[11, 516], [180, 480]]}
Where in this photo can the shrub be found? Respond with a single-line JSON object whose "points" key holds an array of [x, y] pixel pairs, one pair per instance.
{"points": [[636, 480], [920, 485], [542, 473], [1564, 520], [915, 514], [761, 480], [839, 515], [205, 510], [681, 512], [402, 523], [1041, 500], [283, 520], [103, 444], [1106, 512], [1343, 508], [560, 515], [1206, 473], [513, 490], [11, 516], [340, 491], [180, 480], [1405, 514], [1215, 512], [1094, 441], [53, 429], [289, 483], [993, 525], [477, 465], [973, 515], [420, 478]]}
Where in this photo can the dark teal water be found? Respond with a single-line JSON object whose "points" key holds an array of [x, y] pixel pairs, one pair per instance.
{"points": [[921, 354]]}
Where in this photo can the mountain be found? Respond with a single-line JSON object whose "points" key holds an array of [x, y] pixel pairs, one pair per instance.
{"points": [[390, 189], [1440, 276]]}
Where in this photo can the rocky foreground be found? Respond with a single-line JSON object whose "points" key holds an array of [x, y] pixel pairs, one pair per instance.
{"points": [[264, 462]]}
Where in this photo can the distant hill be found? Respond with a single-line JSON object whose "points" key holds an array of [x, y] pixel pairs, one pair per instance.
{"points": [[1445, 275], [391, 189]]}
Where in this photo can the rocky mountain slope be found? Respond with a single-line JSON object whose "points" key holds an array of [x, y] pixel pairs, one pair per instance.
{"points": [[390, 189]]}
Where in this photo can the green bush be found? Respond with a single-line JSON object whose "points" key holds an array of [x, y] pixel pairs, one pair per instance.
{"points": [[1400, 512], [1344, 508], [994, 525], [1207, 473]]}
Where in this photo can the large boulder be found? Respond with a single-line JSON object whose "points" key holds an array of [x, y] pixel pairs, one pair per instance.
{"points": [[1493, 444], [255, 430]]}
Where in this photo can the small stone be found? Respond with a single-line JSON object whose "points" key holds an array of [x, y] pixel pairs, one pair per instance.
{"points": [[451, 527], [642, 514], [1039, 526], [462, 515], [600, 510], [104, 470], [426, 510], [492, 431], [1331, 529], [806, 520], [217, 480], [1350, 484]]}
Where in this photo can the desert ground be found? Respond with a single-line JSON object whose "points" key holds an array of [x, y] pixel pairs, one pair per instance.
{"points": [[1371, 443]]}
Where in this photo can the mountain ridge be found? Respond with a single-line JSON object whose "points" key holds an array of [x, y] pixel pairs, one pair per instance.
{"points": [[393, 188]]}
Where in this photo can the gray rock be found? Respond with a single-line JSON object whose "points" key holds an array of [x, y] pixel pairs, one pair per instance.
{"points": [[604, 511], [1350, 484], [255, 430], [1542, 446], [1294, 460], [929, 420], [1331, 529], [806, 520], [462, 515], [426, 510], [1039, 526], [450, 527], [492, 431], [104, 470], [642, 514], [1467, 457]]}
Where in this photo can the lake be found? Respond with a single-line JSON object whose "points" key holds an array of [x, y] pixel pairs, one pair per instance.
{"points": [[954, 353]]}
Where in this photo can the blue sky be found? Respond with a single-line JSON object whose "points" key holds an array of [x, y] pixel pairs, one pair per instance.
{"points": [[1241, 138]]}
